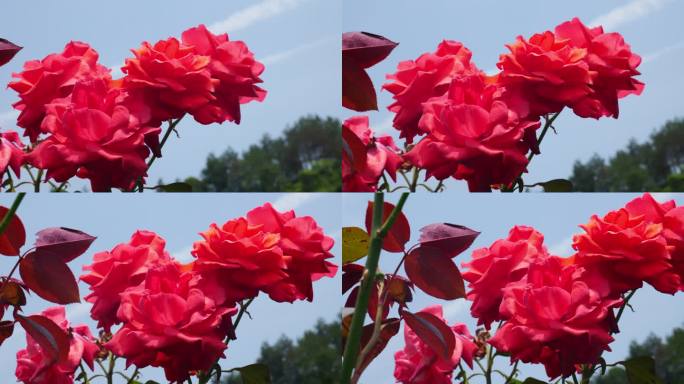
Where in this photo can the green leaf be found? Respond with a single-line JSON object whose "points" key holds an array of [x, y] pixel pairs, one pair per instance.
{"points": [[175, 187], [531, 380], [641, 370], [556, 185], [354, 244], [254, 374]]}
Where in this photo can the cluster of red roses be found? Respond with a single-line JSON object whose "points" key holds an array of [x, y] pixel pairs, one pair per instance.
{"points": [[83, 123], [481, 128], [177, 316], [560, 312]]}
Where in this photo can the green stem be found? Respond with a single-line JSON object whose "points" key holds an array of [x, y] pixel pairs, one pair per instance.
{"points": [[36, 185], [167, 134], [135, 373], [490, 365], [378, 233], [110, 370], [85, 375], [414, 181], [548, 123], [515, 369], [12, 211]]}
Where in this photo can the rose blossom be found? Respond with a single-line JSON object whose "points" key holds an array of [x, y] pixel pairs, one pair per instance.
{"points": [[54, 77], [365, 157], [305, 247], [626, 250], [612, 66], [544, 74], [554, 319], [168, 322], [35, 367], [492, 269], [428, 76], [11, 153], [125, 266], [473, 135], [237, 260], [418, 363], [93, 136], [233, 70], [169, 77]]}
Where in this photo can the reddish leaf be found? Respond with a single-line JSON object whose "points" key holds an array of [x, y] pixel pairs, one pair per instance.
{"points": [[12, 293], [389, 329], [374, 300], [53, 340], [66, 243], [14, 236], [7, 51], [351, 299], [351, 275], [450, 238], [6, 330], [49, 277], [366, 49], [399, 289], [435, 273], [398, 235], [358, 92], [433, 331]]}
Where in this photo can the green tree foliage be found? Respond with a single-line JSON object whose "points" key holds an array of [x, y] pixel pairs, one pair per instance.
{"points": [[313, 359], [668, 355], [655, 165], [306, 158]]}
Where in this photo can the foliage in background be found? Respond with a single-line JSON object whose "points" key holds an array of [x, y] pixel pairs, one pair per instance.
{"points": [[305, 158], [313, 358], [656, 165], [668, 355]]}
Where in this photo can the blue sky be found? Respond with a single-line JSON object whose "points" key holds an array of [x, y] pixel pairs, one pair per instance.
{"points": [[652, 27], [298, 41], [177, 218], [557, 216]]}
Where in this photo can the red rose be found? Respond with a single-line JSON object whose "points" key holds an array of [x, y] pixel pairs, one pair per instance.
{"points": [[544, 74], [492, 269], [11, 153], [43, 81], [473, 136], [428, 76], [170, 77], [417, 363], [237, 260], [365, 157], [233, 70], [626, 250], [554, 319], [305, 247], [125, 266], [168, 322], [612, 66], [93, 136], [35, 367], [672, 219]]}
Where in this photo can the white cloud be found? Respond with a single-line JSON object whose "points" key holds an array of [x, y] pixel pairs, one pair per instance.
{"points": [[290, 201], [254, 13], [284, 55], [633, 10], [653, 56]]}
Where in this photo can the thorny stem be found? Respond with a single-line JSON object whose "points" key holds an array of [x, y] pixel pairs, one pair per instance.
{"points": [[378, 233], [169, 130]]}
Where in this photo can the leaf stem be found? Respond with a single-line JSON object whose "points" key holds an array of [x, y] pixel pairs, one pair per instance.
{"points": [[378, 233]]}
